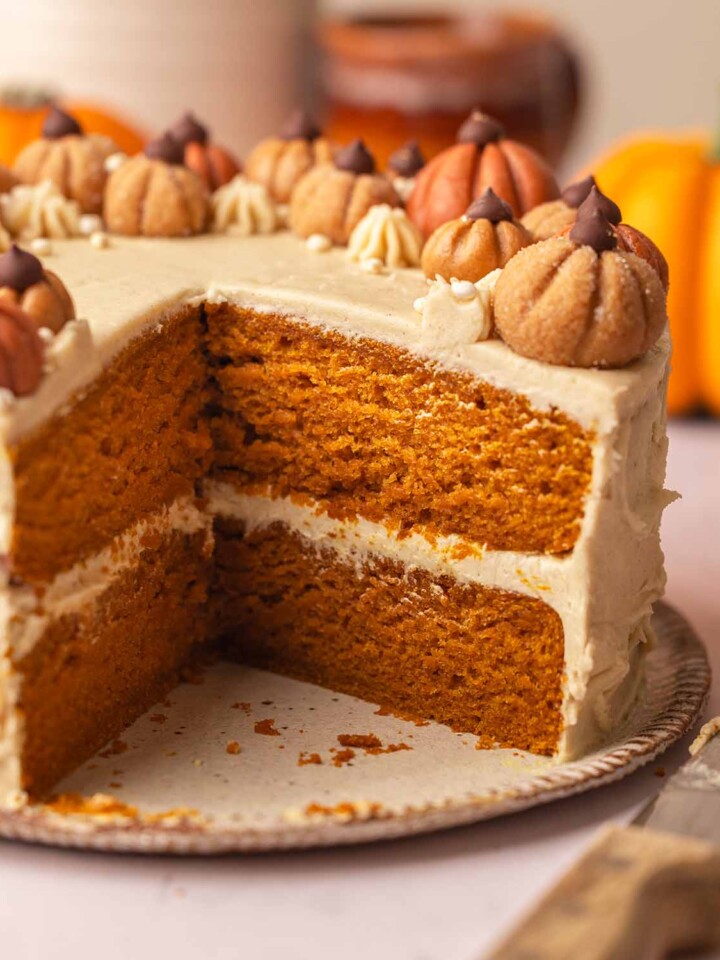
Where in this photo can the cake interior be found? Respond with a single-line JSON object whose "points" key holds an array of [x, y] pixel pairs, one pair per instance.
{"points": [[125, 565]]}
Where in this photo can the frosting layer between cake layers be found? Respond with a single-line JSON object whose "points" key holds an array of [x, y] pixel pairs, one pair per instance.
{"points": [[603, 590]]}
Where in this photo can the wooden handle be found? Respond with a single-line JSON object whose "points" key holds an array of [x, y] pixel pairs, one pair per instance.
{"points": [[635, 895]]}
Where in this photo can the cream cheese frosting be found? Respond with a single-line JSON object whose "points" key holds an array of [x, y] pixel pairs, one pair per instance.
{"points": [[387, 234], [457, 312], [243, 208], [39, 210]]}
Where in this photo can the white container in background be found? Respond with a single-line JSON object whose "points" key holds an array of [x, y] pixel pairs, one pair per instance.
{"points": [[241, 65]]}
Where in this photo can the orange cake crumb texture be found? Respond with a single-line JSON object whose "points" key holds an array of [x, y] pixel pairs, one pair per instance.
{"points": [[386, 711], [481, 660], [366, 428], [370, 744], [105, 805], [99, 804], [363, 428], [341, 757], [78, 693], [266, 728], [390, 748], [351, 743], [363, 741], [346, 811], [138, 440]]}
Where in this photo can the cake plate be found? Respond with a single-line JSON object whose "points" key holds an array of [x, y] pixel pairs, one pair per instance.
{"points": [[241, 760]]}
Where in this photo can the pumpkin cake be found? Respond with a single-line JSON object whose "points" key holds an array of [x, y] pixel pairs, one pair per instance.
{"points": [[334, 471]]}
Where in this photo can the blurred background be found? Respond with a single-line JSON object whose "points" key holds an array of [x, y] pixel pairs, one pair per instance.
{"points": [[629, 89], [240, 63]]}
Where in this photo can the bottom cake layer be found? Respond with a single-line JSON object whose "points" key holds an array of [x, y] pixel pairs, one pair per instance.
{"points": [[106, 640], [482, 660], [96, 670]]}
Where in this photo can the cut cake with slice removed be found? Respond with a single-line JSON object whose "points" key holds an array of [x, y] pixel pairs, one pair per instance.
{"points": [[245, 441]]}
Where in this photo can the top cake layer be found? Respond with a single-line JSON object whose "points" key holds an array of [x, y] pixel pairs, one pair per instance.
{"points": [[120, 292]]}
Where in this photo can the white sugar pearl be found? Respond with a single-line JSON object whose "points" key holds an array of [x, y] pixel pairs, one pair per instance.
{"points": [[90, 223], [46, 335], [372, 265], [99, 239], [463, 289], [114, 161], [318, 243], [419, 304], [41, 246]]}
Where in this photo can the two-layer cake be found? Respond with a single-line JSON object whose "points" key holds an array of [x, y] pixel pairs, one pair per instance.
{"points": [[321, 461]]}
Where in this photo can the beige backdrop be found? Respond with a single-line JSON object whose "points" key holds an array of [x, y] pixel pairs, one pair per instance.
{"points": [[648, 62], [240, 64]]}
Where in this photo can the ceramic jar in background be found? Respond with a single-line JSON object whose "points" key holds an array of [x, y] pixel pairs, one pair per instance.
{"points": [[241, 65], [419, 77]]}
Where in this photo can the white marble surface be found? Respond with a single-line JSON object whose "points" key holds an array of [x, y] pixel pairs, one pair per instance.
{"points": [[441, 897]]}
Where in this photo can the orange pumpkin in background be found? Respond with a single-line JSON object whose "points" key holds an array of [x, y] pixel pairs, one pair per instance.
{"points": [[669, 187], [483, 157], [22, 112]]}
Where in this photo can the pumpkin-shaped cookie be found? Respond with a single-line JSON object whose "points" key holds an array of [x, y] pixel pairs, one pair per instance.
{"points": [[628, 238], [154, 195], [279, 163], [21, 351], [555, 216], [579, 300], [333, 198], [548, 219], [483, 157], [485, 238], [635, 241], [21, 348], [215, 165], [72, 160], [39, 293], [403, 167]]}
